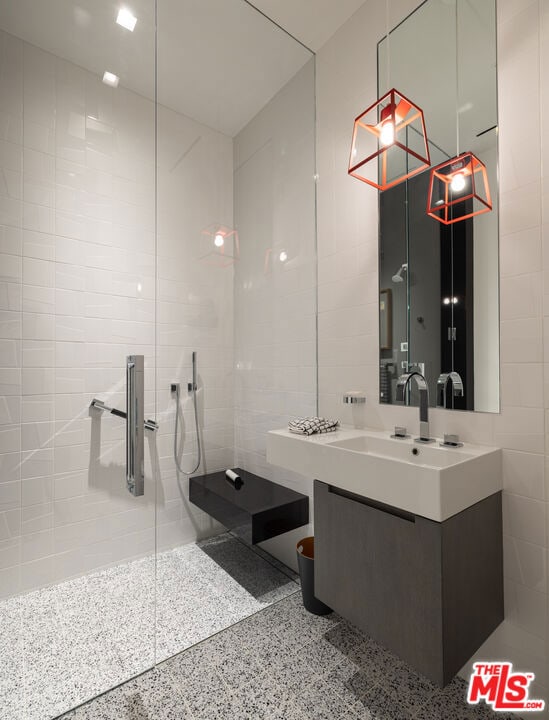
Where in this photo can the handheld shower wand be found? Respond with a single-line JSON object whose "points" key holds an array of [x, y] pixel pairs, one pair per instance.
{"points": [[191, 387]]}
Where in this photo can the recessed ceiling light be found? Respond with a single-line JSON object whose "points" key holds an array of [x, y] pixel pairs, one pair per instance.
{"points": [[126, 19], [110, 79]]}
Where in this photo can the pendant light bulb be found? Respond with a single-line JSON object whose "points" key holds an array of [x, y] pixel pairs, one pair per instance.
{"points": [[387, 125], [219, 240], [387, 134], [458, 182]]}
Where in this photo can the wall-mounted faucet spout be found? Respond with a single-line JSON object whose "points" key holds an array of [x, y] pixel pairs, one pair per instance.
{"points": [[402, 385], [442, 387]]}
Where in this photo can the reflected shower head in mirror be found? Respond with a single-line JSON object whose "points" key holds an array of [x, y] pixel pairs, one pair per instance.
{"points": [[397, 278]]}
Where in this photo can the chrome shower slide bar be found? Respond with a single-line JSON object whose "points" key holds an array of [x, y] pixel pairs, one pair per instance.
{"points": [[135, 423], [135, 456]]}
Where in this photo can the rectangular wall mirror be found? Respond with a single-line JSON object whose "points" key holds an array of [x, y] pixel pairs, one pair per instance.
{"points": [[443, 278]]}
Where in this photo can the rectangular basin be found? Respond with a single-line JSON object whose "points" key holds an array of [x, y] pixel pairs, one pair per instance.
{"points": [[399, 449], [424, 479]]}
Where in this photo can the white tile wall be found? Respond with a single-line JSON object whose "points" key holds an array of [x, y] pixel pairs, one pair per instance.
{"points": [[347, 248], [194, 312], [80, 273], [275, 301]]}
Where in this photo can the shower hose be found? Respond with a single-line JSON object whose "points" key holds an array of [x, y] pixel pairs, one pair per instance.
{"points": [[185, 472]]}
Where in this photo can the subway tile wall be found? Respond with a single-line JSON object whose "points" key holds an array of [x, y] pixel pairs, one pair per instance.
{"points": [[79, 279], [194, 313], [347, 292], [275, 281]]}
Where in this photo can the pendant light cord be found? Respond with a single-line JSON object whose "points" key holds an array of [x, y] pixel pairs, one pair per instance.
{"points": [[452, 308], [388, 45], [457, 82]]}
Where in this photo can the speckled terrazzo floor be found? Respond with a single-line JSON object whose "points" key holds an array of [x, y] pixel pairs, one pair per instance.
{"points": [[64, 645], [284, 664]]}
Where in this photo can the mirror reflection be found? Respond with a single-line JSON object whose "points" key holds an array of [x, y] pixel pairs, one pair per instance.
{"points": [[439, 283]]}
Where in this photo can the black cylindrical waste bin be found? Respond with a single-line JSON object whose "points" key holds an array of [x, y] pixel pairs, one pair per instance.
{"points": [[306, 563]]}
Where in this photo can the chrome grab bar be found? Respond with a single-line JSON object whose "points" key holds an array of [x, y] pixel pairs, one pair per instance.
{"points": [[98, 404]]}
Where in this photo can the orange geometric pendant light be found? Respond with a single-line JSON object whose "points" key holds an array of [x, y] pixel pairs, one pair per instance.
{"points": [[458, 189], [391, 131]]}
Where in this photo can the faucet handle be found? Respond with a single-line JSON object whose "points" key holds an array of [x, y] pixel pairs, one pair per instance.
{"points": [[400, 432], [451, 440]]}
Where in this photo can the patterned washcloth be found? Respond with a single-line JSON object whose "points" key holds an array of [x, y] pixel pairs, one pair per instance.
{"points": [[311, 425]]}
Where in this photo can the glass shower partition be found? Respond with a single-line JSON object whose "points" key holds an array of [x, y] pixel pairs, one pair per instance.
{"points": [[157, 201], [235, 191], [77, 294]]}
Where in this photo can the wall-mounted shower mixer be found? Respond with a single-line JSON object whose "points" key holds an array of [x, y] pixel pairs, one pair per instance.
{"points": [[176, 387]]}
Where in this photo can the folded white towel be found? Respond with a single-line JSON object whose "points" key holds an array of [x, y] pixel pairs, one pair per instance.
{"points": [[311, 425]]}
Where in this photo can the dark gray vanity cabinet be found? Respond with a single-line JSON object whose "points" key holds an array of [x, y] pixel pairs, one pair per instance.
{"points": [[430, 592]]}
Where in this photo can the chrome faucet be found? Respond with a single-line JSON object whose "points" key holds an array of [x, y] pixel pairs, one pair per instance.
{"points": [[423, 388], [442, 385]]}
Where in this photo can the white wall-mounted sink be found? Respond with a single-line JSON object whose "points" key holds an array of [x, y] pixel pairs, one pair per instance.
{"points": [[428, 480]]}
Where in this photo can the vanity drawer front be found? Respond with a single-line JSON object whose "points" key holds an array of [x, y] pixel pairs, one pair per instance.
{"points": [[381, 569]]}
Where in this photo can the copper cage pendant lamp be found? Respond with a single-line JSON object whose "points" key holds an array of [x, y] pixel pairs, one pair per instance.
{"points": [[392, 130], [392, 133], [459, 189]]}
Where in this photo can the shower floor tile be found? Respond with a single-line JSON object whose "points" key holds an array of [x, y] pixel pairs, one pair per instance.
{"points": [[66, 644], [316, 668]]}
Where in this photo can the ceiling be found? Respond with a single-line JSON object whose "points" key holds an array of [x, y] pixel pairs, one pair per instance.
{"points": [[312, 22], [219, 61]]}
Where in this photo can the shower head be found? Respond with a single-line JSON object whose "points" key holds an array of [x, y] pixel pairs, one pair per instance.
{"points": [[397, 278]]}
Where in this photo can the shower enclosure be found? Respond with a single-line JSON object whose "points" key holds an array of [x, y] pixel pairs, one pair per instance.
{"points": [[157, 198]]}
